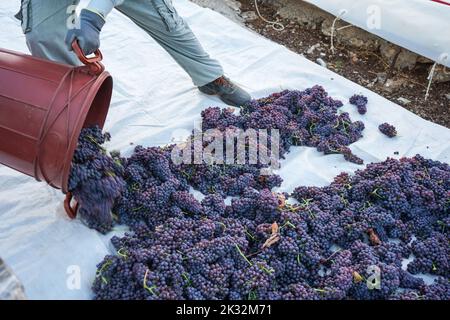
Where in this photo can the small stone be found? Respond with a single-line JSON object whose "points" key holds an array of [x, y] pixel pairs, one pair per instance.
{"points": [[405, 60], [392, 85], [381, 77], [321, 62], [354, 57], [403, 100], [447, 96], [312, 48], [307, 15], [441, 74], [372, 83], [421, 59], [249, 15]]}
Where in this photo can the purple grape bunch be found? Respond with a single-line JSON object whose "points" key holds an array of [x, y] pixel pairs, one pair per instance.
{"points": [[95, 179], [360, 102], [153, 191], [305, 118], [387, 129]]}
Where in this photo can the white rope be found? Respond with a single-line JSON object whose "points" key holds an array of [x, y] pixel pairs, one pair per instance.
{"points": [[333, 28], [430, 78], [442, 58], [344, 27], [278, 26]]}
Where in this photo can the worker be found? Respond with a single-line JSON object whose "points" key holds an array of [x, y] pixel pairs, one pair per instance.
{"points": [[50, 29]]}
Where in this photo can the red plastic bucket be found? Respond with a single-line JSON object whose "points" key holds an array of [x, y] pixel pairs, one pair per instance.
{"points": [[43, 107]]}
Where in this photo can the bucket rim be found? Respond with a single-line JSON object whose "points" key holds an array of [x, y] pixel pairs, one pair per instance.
{"points": [[85, 108]]}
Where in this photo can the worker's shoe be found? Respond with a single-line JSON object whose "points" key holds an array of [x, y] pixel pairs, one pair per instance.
{"points": [[227, 91]]}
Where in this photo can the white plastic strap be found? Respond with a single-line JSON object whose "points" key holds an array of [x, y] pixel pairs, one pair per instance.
{"points": [[441, 59], [333, 27]]}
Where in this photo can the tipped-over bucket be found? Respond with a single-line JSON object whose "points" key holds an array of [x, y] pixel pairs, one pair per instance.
{"points": [[43, 107]]}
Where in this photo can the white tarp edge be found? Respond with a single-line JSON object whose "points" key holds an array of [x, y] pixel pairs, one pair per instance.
{"points": [[421, 26], [152, 103]]}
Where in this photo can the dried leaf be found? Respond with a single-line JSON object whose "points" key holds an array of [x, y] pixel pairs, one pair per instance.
{"points": [[274, 238], [373, 238], [274, 228], [357, 278], [281, 200]]}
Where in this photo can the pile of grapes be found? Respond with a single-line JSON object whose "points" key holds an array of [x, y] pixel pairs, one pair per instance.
{"points": [[95, 179], [348, 240], [302, 118]]}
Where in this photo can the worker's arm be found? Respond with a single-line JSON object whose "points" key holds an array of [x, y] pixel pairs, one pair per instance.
{"points": [[92, 20]]}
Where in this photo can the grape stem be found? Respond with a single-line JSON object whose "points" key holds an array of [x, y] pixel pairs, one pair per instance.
{"points": [[242, 254], [149, 289]]}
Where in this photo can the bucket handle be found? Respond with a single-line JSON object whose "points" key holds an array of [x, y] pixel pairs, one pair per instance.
{"points": [[70, 210], [94, 64]]}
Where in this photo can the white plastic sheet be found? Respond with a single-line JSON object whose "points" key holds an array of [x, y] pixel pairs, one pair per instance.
{"points": [[153, 103], [418, 25]]}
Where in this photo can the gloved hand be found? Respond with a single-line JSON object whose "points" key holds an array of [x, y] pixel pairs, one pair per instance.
{"points": [[88, 33]]}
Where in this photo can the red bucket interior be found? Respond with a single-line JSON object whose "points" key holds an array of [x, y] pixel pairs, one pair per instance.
{"points": [[96, 115]]}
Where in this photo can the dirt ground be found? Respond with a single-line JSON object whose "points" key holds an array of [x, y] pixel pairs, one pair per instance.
{"points": [[363, 67]]}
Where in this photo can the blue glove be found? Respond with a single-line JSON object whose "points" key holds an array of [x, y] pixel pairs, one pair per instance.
{"points": [[88, 35]]}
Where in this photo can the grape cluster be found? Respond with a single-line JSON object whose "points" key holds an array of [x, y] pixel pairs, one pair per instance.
{"points": [[360, 102], [431, 255], [153, 191], [226, 180], [301, 118], [95, 179], [387, 129], [304, 118]]}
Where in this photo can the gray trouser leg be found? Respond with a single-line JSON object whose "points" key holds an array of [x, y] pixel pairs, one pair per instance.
{"points": [[161, 21], [44, 23], [45, 26]]}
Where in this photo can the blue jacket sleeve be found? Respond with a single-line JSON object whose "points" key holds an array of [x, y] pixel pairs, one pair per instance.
{"points": [[103, 7]]}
